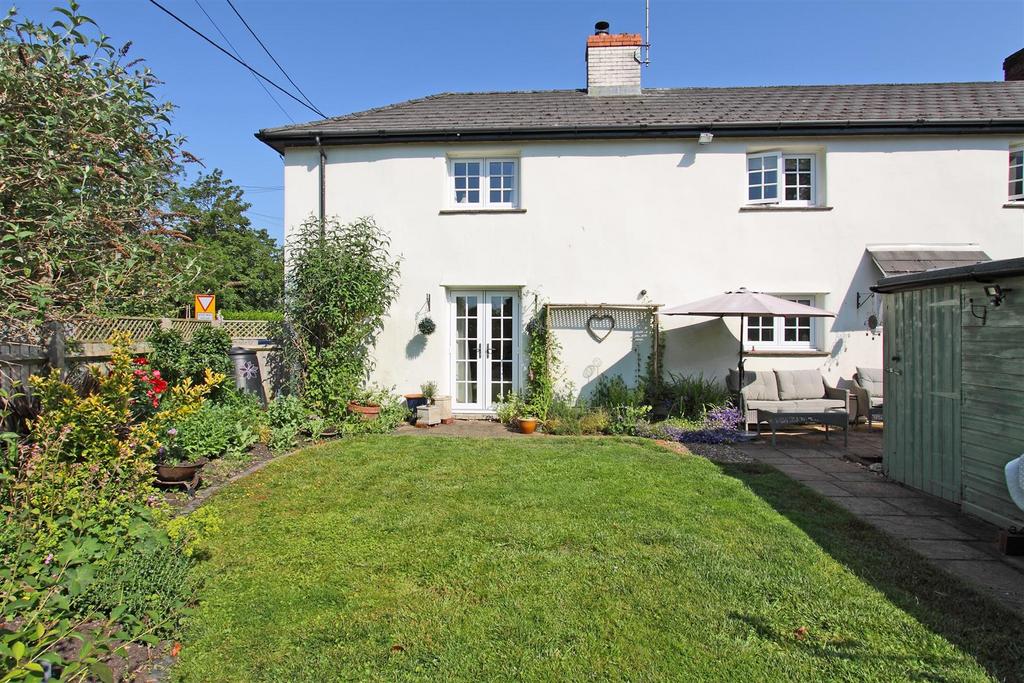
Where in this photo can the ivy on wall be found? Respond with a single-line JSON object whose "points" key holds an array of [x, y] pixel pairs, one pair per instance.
{"points": [[542, 357]]}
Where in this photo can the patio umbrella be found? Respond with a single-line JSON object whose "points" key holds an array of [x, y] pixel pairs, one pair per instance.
{"points": [[742, 303]]}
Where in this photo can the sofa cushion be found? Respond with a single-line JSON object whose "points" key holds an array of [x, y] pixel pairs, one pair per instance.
{"points": [[807, 405], [819, 405], [758, 385], [870, 379], [797, 384]]}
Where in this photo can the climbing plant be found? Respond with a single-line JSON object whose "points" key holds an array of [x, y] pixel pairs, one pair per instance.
{"points": [[542, 357]]}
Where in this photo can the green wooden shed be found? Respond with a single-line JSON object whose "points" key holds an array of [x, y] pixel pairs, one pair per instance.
{"points": [[954, 383]]}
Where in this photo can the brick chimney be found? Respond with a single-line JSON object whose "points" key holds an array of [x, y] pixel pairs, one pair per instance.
{"points": [[1013, 66], [613, 62]]}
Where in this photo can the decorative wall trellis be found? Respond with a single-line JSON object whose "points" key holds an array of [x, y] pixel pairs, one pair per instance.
{"points": [[600, 320]]}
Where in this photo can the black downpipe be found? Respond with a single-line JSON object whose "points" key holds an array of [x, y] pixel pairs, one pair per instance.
{"points": [[323, 186]]}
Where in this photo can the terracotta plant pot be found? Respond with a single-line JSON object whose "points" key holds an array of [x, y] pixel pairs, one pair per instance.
{"points": [[178, 473], [527, 425], [366, 412]]}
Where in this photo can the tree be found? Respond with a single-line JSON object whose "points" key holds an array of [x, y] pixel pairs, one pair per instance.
{"points": [[86, 157], [243, 266]]}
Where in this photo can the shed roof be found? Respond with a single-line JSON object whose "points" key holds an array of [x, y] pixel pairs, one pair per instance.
{"points": [[979, 272], [775, 110]]}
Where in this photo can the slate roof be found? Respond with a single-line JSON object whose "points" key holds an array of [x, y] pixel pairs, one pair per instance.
{"points": [[981, 272], [776, 110], [893, 262]]}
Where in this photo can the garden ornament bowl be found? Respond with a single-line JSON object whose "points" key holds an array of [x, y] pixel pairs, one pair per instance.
{"points": [[182, 472]]}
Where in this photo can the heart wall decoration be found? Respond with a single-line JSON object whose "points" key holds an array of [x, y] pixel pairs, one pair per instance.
{"points": [[600, 325]]}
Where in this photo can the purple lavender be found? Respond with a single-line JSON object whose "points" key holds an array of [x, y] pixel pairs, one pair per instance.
{"points": [[720, 425]]}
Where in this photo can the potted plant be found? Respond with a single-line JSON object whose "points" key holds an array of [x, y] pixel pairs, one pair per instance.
{"points": [[366, 408], [428, 415], [171, 467], [528, 424]]}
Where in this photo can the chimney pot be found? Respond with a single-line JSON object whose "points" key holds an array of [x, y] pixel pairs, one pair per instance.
{"points": [[601, 28]]}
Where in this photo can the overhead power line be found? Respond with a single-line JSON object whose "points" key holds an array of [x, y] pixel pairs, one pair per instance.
{"points": [[239, 55], [234, 58], [272, 58]]}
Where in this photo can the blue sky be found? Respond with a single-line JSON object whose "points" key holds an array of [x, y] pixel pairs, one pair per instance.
{"points": [[350, 55]]}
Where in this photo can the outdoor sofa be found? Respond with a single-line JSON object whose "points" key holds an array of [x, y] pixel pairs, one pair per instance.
{"points": [[774, 395]]}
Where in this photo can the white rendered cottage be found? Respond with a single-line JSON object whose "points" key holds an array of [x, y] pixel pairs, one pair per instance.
{"points": [[630, 197]]}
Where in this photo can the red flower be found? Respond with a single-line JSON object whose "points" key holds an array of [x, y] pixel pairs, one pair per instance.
{"points": [[140, 361]]}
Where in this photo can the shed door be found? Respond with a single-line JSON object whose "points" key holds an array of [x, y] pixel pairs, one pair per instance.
{"points": [[922, 390]]}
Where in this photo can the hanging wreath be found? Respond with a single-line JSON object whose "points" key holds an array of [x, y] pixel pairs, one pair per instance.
{"points": [[427, 326]]}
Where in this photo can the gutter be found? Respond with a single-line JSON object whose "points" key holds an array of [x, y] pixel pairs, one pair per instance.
{"points": [[979, 272], [281, 140]]}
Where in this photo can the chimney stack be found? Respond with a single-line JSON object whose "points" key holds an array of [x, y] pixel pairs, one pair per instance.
{"points": [[1013, 66], [613, 62]]}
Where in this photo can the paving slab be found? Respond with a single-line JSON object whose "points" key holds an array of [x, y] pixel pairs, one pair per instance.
{"points": [[925, 506], [829, 464], [867, 506], [803, 472], [947, 550], [826, 488], [876, 489], [905, 526], [1002, 582], [856, 475]]}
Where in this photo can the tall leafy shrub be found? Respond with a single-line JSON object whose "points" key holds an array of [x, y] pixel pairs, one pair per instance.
{"points": [[87, 157], [340, 283]]}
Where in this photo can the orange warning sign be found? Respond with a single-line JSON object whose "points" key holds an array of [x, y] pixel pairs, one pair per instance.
{"points": [[206, 306]]}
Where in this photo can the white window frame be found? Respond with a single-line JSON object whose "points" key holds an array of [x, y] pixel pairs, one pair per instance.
{"points": [[780, 176], [485, 183], [778, 163], [780, 343], [1015, 148]]}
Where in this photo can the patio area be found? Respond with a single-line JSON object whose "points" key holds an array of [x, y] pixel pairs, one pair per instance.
{"points": [[959, 544]]}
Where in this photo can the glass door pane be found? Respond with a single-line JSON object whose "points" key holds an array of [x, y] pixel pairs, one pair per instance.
{"points": [[501, 363], [467, 349]]}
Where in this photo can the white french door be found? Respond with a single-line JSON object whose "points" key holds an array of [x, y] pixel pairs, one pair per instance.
{"points": [[485, 348]]}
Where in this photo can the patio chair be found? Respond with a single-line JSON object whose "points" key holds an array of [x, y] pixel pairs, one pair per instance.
{"points": [[869, 393]]}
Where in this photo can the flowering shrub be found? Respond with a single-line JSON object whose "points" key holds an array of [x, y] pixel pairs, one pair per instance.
{"points": [[149, 388], [721, 424], [90, 458]]}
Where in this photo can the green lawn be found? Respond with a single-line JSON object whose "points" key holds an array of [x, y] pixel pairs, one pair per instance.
{"points": [[405, 558]]}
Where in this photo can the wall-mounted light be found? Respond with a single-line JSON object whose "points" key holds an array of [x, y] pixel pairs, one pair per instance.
{"points": [[705, 138], [995, 294]]}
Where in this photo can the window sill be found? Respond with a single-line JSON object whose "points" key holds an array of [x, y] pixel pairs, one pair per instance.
{"points": [[767, 208], [786, 353], [1014, 205], [452, 212]]}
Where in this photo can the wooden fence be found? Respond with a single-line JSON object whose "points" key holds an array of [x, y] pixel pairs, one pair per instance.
{"points": [[88, 337]]}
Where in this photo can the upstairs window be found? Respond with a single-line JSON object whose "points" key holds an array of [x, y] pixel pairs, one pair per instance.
{"points": [[484, 183], [778, 178], [1017, 173]]}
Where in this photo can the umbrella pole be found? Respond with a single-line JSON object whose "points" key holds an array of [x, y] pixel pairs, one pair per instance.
{"points": [[739, 384]]}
